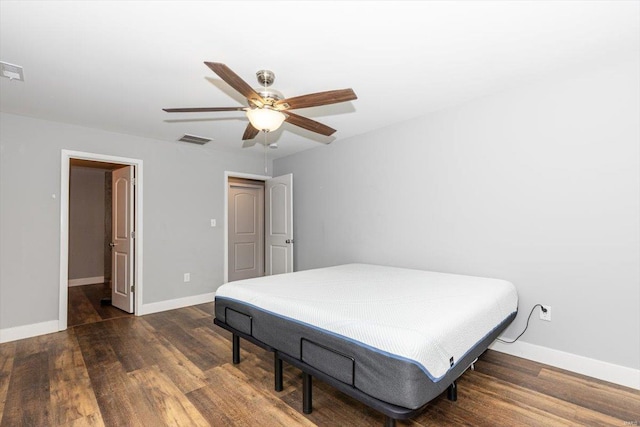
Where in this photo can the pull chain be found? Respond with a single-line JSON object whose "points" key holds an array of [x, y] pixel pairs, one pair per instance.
{"points": [[265, 153], [265, 133]]}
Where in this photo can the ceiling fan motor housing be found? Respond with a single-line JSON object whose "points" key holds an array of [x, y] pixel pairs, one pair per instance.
{"points": [[265, 77], [270, 96]]}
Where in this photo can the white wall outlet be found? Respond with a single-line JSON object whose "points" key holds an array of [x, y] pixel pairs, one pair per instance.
{"points": [[213, 222], [545, 316], [187, 277]]}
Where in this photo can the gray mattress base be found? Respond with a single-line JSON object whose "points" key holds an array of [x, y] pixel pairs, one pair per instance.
{"points": [[395, 386]]}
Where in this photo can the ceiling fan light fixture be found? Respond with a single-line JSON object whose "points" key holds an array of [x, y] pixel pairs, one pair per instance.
{"points": [[265, 119]]}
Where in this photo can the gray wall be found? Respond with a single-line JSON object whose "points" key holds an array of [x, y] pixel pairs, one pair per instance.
{"points": [[539, 185], [183, 190], [86, 222]]}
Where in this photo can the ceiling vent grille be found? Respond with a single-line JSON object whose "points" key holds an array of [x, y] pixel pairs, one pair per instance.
{"points": [[200, 140], [11, 71]]}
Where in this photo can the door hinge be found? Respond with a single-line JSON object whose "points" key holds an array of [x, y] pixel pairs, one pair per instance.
{"points": [[133, 234], [133, 288], [133, 181]]}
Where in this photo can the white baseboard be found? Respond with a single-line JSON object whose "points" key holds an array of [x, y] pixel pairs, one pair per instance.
{"points": [[156, 307], [35, 329], [605, 371], [28, 331], [86, 281]]}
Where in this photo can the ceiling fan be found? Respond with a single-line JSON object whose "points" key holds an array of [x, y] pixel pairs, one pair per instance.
{"points": [[267, 107]]}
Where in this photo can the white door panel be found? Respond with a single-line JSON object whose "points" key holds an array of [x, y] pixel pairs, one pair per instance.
{"points": [[246, 230], [122, 245], [279, 224]]}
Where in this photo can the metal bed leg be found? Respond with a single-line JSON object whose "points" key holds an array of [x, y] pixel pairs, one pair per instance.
{"points": [[236, 349], [277, 369], [307, 383], [452, 392], [389, 422]]}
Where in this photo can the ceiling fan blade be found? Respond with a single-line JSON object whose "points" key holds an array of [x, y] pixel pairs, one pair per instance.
{"points": [[202, 110], [316, 99], [309, 124], [250, 132], [233, 80]]}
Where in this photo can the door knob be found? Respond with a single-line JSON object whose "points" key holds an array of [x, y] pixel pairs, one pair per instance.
{"points": [[112, 245], [289, 241]]}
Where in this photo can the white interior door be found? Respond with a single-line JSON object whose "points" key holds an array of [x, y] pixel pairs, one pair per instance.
{"points": [[246, 229], [279, 225], [122, 245]]}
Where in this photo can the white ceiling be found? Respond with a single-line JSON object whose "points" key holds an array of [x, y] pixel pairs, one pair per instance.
{"points": [[115, 65]]}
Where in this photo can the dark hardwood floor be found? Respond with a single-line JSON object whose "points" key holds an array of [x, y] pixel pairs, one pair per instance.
{"points": [[84, 305], [174, 368]]}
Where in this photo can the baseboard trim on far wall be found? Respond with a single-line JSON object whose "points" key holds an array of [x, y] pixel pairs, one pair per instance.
{"points": [[86, 281], [28, 331], [35, 329], [605, 371], [156, 307]]}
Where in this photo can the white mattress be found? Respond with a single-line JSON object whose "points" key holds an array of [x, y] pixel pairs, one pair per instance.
{"points": [[421, 316]]}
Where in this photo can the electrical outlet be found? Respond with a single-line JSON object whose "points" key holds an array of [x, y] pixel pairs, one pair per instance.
{"points": [[213, 222], [187, 277], [546, 316]]}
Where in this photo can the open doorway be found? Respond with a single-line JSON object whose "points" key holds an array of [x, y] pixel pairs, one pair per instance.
{"points": [[91, 242], [100, 237], [276, 213]]}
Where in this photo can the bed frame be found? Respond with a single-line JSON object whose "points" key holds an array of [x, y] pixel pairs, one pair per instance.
{"points": [[391, 412]]}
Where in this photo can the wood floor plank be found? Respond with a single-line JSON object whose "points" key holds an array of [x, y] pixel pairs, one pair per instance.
{"points": [[187, 318], [220, 346], [121, 400], [231, 399], [569, 387], [525, 368], [94, 294], [71, 393], [133, 345], [330, 405], [173, 363], [618, 402], [442, 412], [508, 410], [174, 408], [201, 356], [207, 308], [7, 355], [27, 401], [80, 308], [84, 305], [92, 420], [570, 412]]}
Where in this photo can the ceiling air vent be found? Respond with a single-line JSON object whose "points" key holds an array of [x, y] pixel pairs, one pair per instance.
{"points": [[11, 71], [194, 139]]}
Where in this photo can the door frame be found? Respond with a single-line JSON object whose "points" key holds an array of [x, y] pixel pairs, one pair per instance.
{"points": [[227, 175], [66, 156]]}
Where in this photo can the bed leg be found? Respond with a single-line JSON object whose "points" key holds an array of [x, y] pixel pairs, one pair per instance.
{"points": [[389, 422], [452, 392], [307, 387], [277, 369], [236, 349]]}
